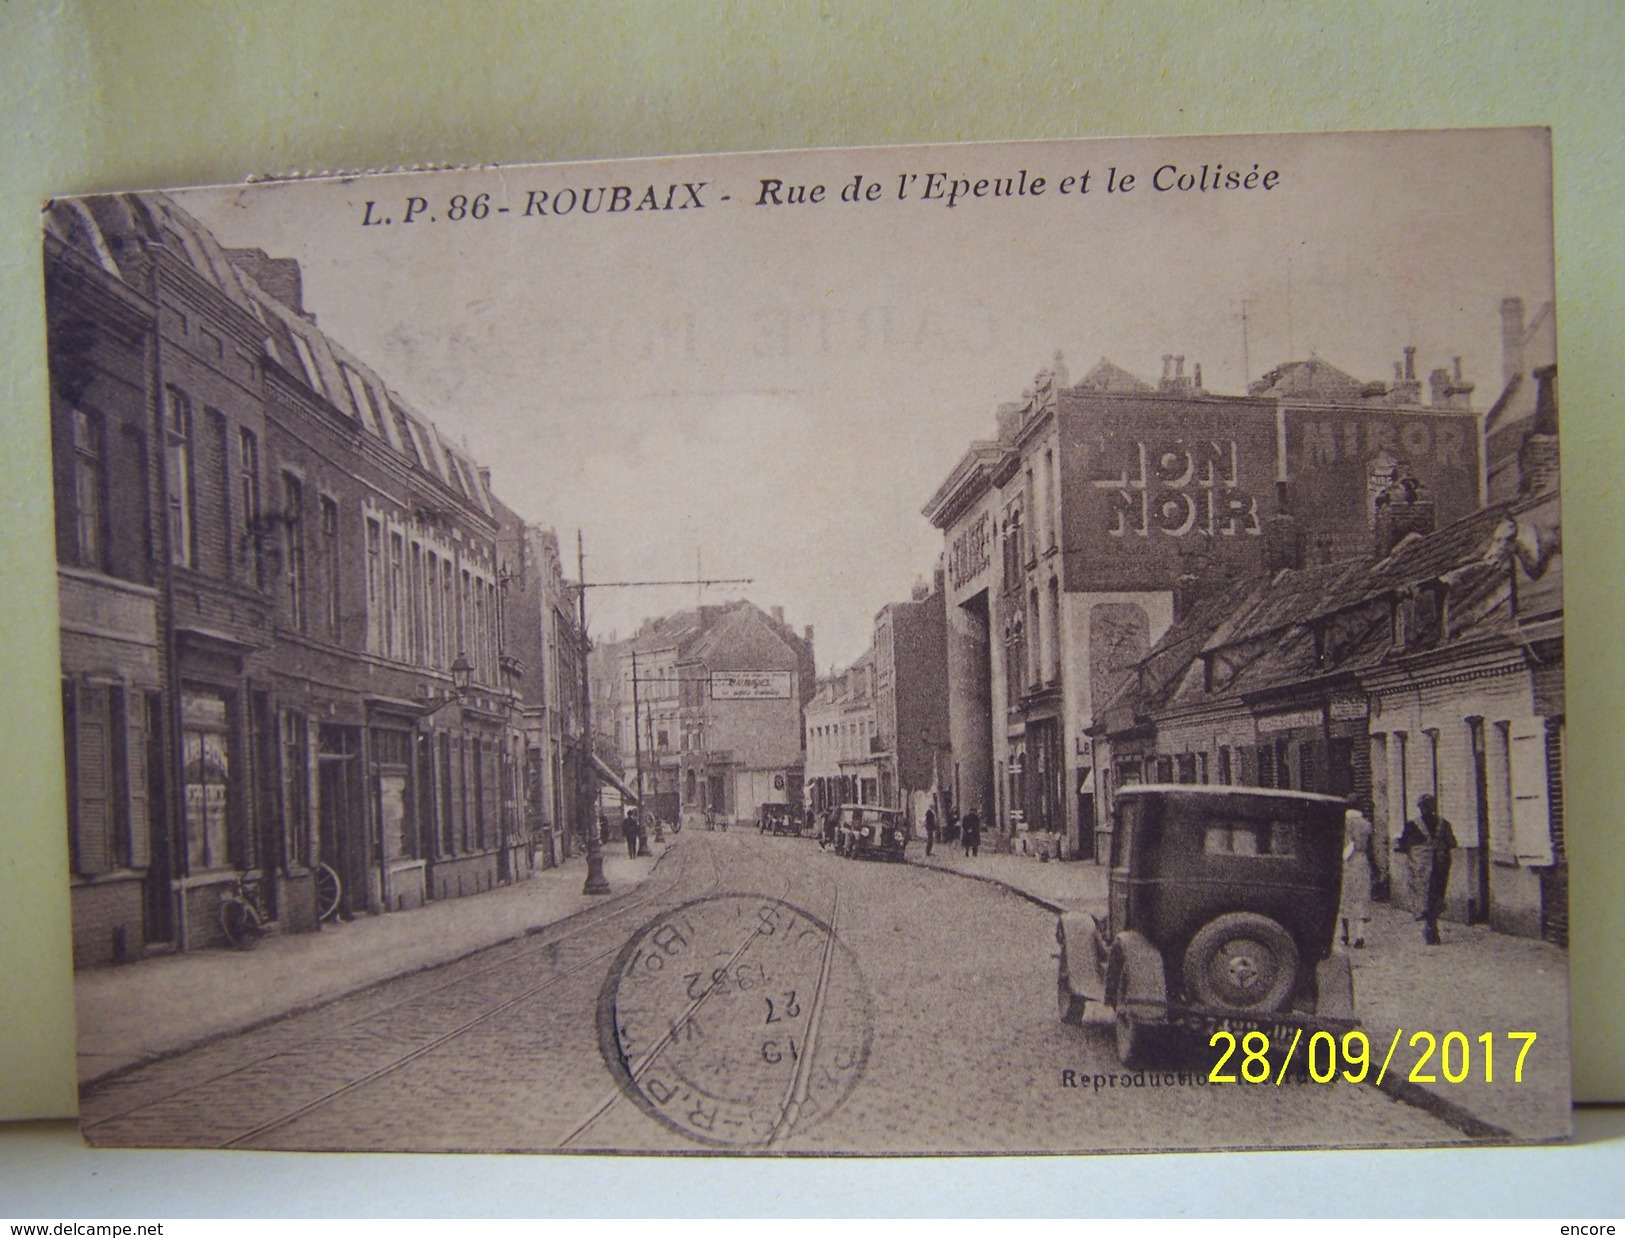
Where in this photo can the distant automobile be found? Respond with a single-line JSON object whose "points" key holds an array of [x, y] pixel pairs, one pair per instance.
{"points": [[863, 831], [776, 818], [1221, 914]]}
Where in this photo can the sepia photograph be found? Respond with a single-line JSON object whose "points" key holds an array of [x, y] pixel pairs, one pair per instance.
{"points": [[988, 649]]}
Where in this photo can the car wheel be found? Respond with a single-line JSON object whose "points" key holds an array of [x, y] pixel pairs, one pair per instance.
{"points": [[1241, 961]]}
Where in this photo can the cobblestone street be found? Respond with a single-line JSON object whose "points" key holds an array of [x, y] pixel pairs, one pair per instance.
{"points": [[754, 994]]}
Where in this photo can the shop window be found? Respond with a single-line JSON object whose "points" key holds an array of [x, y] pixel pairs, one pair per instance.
{"points": [[206, 779]]}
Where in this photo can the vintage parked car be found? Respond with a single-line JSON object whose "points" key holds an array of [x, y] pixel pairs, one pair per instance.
{"points": [[863, 831], [1221, 914], [778, 818]]}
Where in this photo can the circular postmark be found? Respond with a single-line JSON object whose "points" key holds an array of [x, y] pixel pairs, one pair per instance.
{"points": [[735, 1019]]}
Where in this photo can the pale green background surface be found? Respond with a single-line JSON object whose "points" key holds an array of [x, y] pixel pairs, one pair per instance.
{"points": [[98, 96]]}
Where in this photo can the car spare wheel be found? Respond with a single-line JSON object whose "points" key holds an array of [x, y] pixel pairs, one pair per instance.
{"points": [[1243, 961]]}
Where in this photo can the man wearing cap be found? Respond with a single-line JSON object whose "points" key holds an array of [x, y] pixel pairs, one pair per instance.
{"points": [[1428, 841]]}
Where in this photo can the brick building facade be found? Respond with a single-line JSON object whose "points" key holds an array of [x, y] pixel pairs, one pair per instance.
{"points": [[270, 565]]}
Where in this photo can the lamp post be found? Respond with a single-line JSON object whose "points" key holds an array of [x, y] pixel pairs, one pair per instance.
{"points": [[462, 674]]}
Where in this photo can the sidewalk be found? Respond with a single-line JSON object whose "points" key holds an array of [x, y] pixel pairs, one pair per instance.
{"points": [[1478, 981], [132, 1013]]}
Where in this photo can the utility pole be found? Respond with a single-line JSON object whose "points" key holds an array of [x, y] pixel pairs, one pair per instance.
{"points": [[597, 883], [637, 733]]}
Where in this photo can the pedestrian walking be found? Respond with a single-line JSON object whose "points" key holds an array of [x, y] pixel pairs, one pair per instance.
{"points": [[930, 829], [1428, 840], [970, 828], [1354, 905], [629, 831], [603, 828]]}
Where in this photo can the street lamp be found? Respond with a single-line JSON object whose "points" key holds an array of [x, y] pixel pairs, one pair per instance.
{"points": [[462, 674]]}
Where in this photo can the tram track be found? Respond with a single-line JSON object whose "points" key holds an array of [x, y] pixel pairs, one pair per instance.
{"points": [[796, 1096], [581, 926]]}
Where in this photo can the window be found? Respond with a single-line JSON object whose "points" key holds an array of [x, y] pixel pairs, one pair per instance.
{"points": [[375, 586], [465, 617], [219, 488], [1035, 632], [248, 484], [330, 561], [419, 634], [448, 613], [395, 633], [1226, 776], [89, 489], [178, 471], [293, 548], [1271, 838], [1049, 499], [206, 778], [313, 375], [1052, 633], [1266, 765]]}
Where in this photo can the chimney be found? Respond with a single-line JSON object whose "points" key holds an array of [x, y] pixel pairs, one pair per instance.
{"points": [[1167, 367], [1511, 339], [485, 476], [1198, 381], [1537, 458], [1439, 387], [1406, 389], [1402, 509], [280, 277], [807, 635]]}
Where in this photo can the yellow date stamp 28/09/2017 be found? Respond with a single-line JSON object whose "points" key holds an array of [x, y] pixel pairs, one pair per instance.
{"points": [[1246, 1059]]}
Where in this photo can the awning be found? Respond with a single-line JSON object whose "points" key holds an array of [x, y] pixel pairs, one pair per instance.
{"points": [[610, 776]]}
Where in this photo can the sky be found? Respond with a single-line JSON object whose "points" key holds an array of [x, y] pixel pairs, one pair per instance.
{"points": [[774, 391]]}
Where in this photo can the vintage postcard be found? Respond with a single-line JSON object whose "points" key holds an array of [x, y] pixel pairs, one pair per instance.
{"points": [[1026, 648]]}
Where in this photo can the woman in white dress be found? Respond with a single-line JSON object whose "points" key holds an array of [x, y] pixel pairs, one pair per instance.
{"points": [[1354, 905]]}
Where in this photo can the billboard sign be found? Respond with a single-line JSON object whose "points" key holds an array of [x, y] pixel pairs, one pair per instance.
{"points": [[750, 685], [1147, 479]]}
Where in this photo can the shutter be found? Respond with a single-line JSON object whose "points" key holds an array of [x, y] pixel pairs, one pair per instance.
{"points": [[93, 773], [137, 818], [1531, 816]]}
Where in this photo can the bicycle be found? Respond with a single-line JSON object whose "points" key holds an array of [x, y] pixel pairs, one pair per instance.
{"points": [[329, 890], [242, 916]]}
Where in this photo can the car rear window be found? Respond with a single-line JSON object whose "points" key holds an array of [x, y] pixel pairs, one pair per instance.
{"points": [[1250, 836]]}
